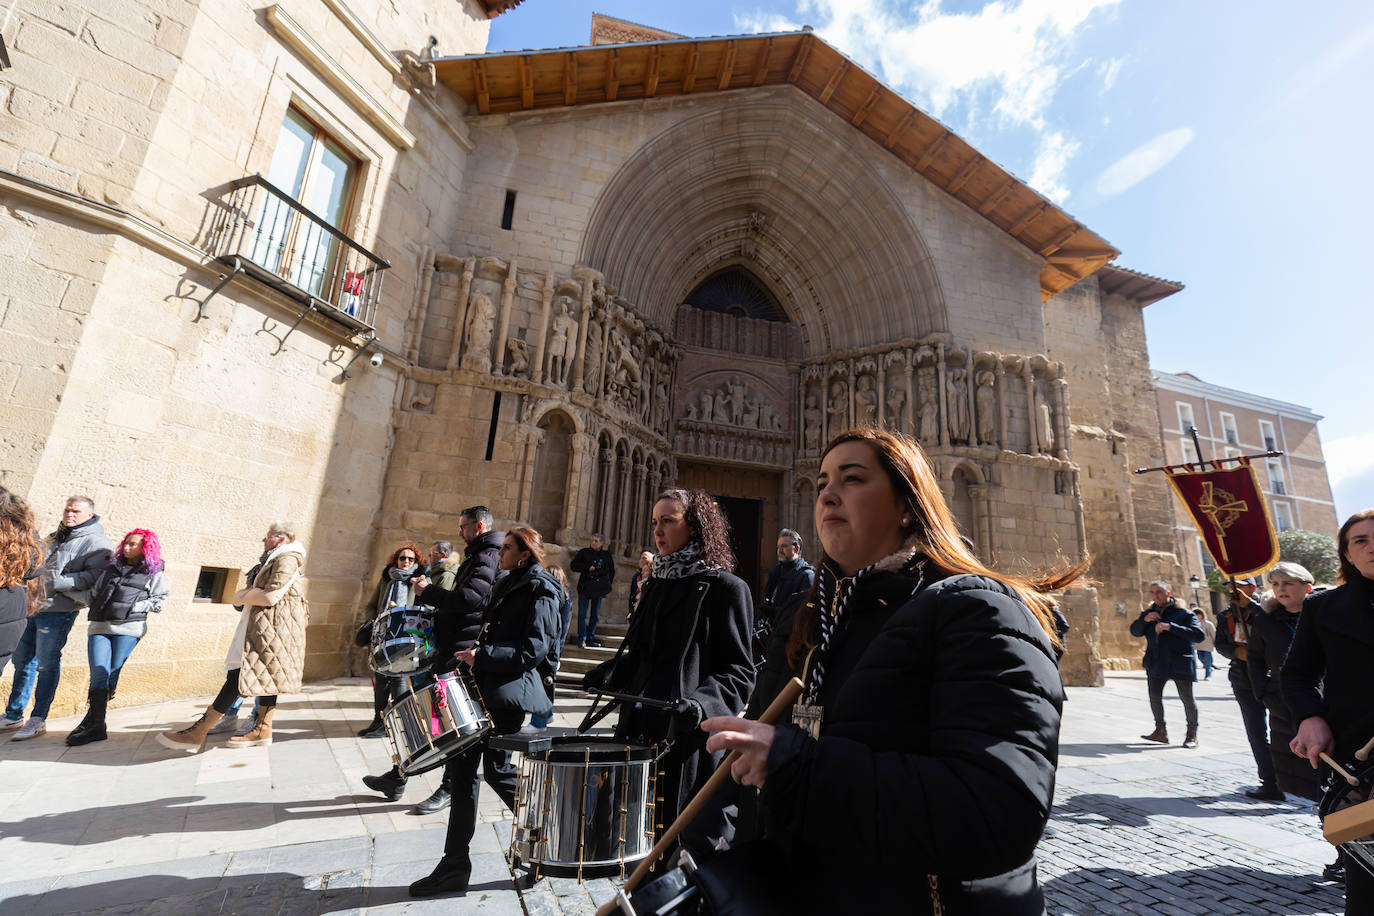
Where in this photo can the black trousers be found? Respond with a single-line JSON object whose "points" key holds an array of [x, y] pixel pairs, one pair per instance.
{"points": [[1254, 717], [1185, 693], [230, 692], [1359, 889], [460, 775]]}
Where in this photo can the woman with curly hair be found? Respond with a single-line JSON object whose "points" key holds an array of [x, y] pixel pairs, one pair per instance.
{"points": [[688, 643], [21, 572], [395, 588], [127, 590]]}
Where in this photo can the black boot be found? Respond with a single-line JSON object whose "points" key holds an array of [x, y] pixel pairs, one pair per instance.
{"points": [[391, 784], [450, 876], [92, 728]]}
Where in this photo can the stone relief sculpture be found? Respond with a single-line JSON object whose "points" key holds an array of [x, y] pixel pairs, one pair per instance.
{"points": [[478, 353], [838, 407], [866, 402], [894, 404], [958, 406], [811, 424], [519, 354], [732, 399], [591, 368], [927, 429], [562, 343], [986, 400], [1044, 421], [660, 409]]}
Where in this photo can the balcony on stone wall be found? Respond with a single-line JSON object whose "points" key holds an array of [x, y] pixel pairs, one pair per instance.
{"points": [[264, 233]]}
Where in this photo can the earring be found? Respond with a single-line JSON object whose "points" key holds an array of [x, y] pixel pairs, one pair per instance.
{"points": [[906, 520]]}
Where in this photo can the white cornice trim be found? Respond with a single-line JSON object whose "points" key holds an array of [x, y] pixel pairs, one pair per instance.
{"points": [[365, 35], [1171, 381], [333, 73]]}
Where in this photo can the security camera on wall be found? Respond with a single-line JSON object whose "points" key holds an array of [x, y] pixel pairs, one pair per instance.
{"points": [[375, 360]]}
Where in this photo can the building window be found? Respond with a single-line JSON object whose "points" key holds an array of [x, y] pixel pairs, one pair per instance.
{"points": [[1232, 452], [318, 173], [1229, 430], [212, 583], [1271, 443], [1283, 516], [1185, 416], [1190, 455], [1275, 477]]}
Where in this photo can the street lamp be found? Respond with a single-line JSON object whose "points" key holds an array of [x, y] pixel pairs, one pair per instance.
{"points": [[1194, 581]]}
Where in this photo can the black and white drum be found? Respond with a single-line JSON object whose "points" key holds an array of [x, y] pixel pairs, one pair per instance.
{"points": [[584, 808], [402, 640], [429, 724]]}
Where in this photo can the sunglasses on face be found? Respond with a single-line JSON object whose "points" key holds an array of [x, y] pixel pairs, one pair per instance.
{"points": [[406, 558]]}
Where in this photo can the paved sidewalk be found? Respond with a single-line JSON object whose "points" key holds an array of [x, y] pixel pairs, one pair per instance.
{"points": [[125, 826]]}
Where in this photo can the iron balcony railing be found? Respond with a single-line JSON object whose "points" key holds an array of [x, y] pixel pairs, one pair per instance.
{"points": [[264, 232], [1277, 488]]}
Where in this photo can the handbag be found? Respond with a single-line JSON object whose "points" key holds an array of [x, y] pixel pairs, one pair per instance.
{"points": [[363, 638]]}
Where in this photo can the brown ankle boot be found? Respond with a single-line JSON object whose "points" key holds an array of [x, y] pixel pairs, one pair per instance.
{"points": [[1160, 734], [1190, 739], [260, 734], [190, 739]]}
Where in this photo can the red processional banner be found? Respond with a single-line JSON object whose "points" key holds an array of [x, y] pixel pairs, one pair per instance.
{"points": [[1230, 514]]}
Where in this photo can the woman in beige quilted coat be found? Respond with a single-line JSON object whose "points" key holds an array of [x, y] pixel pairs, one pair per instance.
{"points": [[267, 654]]}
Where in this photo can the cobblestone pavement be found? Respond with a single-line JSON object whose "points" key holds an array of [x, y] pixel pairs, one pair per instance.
{"points": [[125, 827]]}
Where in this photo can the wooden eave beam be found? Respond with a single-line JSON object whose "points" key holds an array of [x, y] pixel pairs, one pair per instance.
{"points": [[1057, 242], [651, 76], [1028, 217], [932, 150], [993, 199], [479, 80], [833, 83], [612, 76], [799, 60], [689, 72], [965, 173], [862, 114], [761, 68], [526, 83], [727, 66], [570, 78], [1082, 254], [899, 128]]}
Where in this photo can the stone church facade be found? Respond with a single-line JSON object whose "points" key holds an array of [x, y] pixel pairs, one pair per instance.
{"points": [[589, 274]]}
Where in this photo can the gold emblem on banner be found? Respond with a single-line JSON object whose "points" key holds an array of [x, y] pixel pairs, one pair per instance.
{"points": [[1222, 509]]}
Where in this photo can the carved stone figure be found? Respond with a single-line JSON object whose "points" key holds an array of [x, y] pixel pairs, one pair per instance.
{"points": [[660, 401], [894, 405], [1044, 422], [866, 402], [477, 355], [591, 365], [562, 343], [987, 409], [519, 353], [958, 407], [735, 392], [690, 413], [707, 400], [750, 417], [811, 424], [927, 430], [838, 407]]}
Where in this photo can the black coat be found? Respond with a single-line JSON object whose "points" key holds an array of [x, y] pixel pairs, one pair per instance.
{"points": [[1233, 641], [597, 568], [1170, 654], [787, 582], [937, 754], [688, 640], [1335, 641], [520, 626], [1271, 633], [14, 611], [458, 611]]}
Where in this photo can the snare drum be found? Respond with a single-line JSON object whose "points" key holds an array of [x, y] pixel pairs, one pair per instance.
{"points": [[584, 808], [428, 725], [402, 640]]}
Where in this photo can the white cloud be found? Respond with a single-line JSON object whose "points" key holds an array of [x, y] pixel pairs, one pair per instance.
{"points": [[1142, 162], [1109, 70], [1348, 457], [1008, 58]]}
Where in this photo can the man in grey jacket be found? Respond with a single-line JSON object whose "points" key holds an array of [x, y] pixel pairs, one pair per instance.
{"points": [[76, 553]]}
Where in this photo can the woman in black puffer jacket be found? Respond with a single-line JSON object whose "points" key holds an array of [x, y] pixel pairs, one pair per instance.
{"points": [[21, 572], [927, 777]]}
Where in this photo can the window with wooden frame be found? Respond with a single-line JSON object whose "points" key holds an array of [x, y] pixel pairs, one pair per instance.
{"points": [[319, 174], [1185, 416]]}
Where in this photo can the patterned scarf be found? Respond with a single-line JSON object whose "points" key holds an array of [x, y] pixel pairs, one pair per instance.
{"points": [[685, 562]]}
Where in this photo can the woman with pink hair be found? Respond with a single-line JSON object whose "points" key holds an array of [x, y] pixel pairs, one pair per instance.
{"points": [[127, 590]]}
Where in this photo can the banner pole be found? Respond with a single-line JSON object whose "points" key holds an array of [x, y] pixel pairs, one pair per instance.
{"points": [[1197, 446]]}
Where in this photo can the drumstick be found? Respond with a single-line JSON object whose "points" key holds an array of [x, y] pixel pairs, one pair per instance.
{"points": [[785, 698], [1339, 769], [1363, 753]]}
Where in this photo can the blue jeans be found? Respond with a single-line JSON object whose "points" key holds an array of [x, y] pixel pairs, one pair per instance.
{"points": [[107, 654], [587, 630], [38, 657], [1206, 658]]}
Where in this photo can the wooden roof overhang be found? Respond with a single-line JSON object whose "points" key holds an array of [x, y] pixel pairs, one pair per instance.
{"points": [[1115, 280], [515, 81], [494, 8]]}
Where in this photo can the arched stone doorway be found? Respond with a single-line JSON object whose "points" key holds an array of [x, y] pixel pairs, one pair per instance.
{"points": [[552, 459]]}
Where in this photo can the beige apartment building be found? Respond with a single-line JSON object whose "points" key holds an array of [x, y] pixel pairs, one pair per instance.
{"points": [[328, 261], [1230, 423]]}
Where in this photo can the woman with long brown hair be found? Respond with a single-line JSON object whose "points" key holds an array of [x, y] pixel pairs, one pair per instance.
{"points": [[918, 771], [21, 571]]}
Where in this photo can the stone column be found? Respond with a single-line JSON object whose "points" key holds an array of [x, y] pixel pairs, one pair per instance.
{"points": [[882, 389], [464, 291], [909, 370], [982, 513], [941, 394], [533, 438], [1061, 417], [542, 341], [599, 386], [576, 472], [582, 330], [507, 297], [419, 314], [1000, 372], [601, 514], [623, 481], [1033, 438], [638, 475], [853, 382]]}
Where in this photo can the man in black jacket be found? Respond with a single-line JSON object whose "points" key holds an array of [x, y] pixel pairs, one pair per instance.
{"points": [[458, 621], [1328, 676], [789, 580], [1233, 642], [1170, 632], [597, 569]]}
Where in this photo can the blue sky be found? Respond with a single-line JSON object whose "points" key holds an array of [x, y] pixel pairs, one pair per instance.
{"points": [[1223, 144]]}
